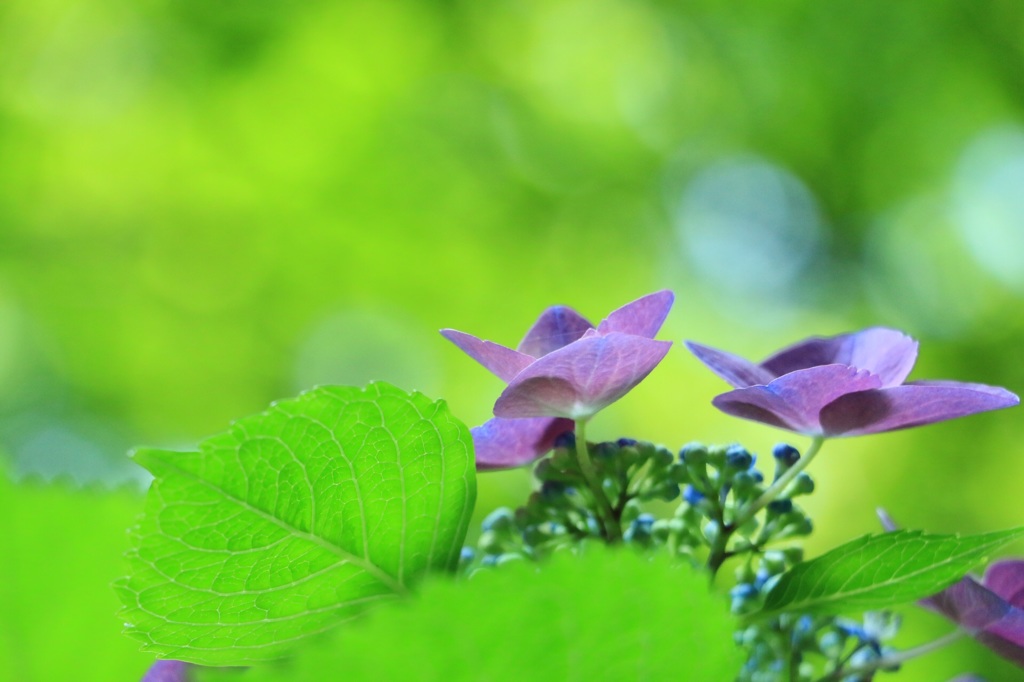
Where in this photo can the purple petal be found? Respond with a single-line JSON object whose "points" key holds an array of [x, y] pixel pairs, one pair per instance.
{"points": [[642, 317], [557, 327], [887, 521], [740, 373], [1006, 578], [503, 362], [580, 379], [913, 404], [167, 671], [1010, 629], [887, 353], [1005, 647], [508, 443], [795, 400], [969, 604]]}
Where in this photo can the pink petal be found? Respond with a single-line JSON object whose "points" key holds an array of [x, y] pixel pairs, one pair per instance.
{"points": [[503, 362], [739, 372], [580, 379], [557, 327], [642, 317], [507, 443], [887, 353], [1006, 578], [795, 400], [913, 404]]}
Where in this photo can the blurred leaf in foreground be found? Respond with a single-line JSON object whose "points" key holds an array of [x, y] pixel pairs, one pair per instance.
{"points": [[59, 551], [608, 615]]}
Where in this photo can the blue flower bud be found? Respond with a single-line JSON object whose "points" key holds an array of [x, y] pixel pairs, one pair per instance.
{"points": [[501, 517], [605, 450], [566, 440], [851, 629], [490, 560], [743, 591], [626, 442], [692, 496], [744, 598], [738, 458], [804, 626], [761, 578], [744, 481], [786, 455], [780, 506], [467, 554], [550, 489], [831, 644], [645, 521], [693, 453]]}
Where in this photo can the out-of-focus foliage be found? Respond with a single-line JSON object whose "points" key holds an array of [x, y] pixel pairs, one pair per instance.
{"points": [[59, 552], [206, 206], [606, 615]]}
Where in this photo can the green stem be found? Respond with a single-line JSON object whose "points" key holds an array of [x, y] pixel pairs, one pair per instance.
{"points": [[611, 521], [896, 658], [776, 488]]}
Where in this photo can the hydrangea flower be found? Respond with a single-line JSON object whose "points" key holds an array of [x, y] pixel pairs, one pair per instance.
{"points": [[565, 369], [167, 671], [846, 385], [992, 611]]}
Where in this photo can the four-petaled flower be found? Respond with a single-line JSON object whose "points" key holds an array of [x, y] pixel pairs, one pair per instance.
{"points": [[992, 611], [564, 369], [845, 385]]}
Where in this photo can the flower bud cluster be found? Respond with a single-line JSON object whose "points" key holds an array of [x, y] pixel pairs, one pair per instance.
{"points": [[819, 647], [721, 482], [562, 511]]}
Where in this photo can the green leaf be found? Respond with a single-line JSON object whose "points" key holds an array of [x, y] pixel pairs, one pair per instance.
{"points": [[877, 571], [608, 615], [60, 548], [294, 521]]}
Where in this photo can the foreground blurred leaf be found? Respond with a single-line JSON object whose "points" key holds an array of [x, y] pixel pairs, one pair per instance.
{"points": [[881, 570], [59, 551], [294, 521], [604, 616]]}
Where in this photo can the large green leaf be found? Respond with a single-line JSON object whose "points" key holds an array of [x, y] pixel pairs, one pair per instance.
{"points": [[604, 616], [877, 571], [296, 520]]}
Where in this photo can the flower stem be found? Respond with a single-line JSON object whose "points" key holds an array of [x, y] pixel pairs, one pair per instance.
{"points": [[896, 658], [780, 484], [611, 522]]}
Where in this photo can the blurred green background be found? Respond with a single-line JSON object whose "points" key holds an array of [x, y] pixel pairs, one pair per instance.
{"points": [[205, 206]]}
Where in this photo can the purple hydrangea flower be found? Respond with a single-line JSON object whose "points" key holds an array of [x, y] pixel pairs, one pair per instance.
{"points": [[992, 611], [564, 369], [846, 385], [167, 671]]}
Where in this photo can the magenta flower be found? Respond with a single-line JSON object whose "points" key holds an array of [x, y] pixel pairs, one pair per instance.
{"points": [[563, 370], [992, 611], [846, 385]]}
